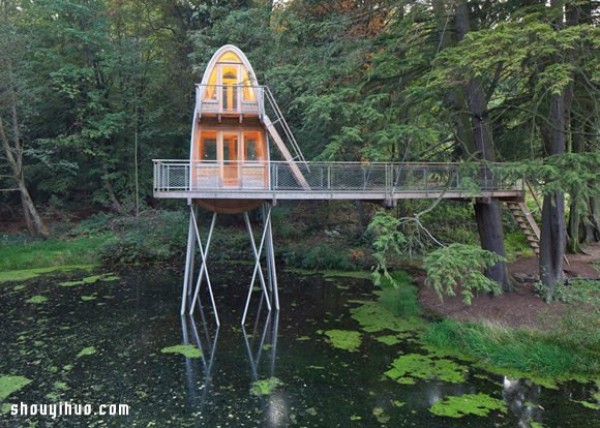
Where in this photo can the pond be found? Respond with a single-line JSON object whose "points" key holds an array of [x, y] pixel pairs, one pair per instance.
{"points": [[103, 341]]}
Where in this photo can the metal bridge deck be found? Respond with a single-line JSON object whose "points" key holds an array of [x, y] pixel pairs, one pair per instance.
{"points": [[275, 180]]}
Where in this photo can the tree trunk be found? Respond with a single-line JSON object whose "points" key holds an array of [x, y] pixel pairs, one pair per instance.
{"points": [[552, 242], [487, 214], [553, 230], [489, 226]]}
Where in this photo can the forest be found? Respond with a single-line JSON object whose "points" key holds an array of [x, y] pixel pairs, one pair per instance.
{"points": [[92, 91], [432, 312]]}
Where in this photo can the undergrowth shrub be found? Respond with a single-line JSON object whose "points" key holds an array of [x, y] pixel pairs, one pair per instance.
{"points": [[155, 237], [322, 257]]}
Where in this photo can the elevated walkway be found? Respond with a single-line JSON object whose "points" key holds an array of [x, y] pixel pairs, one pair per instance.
{"points": [[386, 182]]}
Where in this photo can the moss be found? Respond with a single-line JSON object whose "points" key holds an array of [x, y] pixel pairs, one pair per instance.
{"points": [[10, 384], [265, 386], [468, 404], [90, 350], [37, 299], [407, 368], [344, 339], [188, 351]]}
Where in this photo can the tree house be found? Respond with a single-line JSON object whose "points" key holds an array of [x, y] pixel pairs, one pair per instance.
{"points": [[230, 170], [230, 133]]}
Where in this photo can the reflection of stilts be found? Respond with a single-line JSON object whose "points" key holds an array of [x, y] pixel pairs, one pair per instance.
{"points": [[192, 283], [267, 338], [207, 350]]}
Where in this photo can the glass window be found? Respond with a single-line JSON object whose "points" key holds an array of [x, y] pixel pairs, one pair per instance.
{"points": [[209, 149]]}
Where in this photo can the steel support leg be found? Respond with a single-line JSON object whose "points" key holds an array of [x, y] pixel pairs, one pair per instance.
{"points": [[266, 240], [204, 268], [189, 257]]}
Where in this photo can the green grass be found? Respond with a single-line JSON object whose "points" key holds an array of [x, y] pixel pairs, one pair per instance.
{"points": [[555, 353], [51, 253]]}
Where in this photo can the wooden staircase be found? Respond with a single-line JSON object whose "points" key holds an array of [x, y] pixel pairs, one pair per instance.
{"points": [[526, 223]]}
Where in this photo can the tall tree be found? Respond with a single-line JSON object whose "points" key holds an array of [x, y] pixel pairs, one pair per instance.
{"points": [[12, 48]]}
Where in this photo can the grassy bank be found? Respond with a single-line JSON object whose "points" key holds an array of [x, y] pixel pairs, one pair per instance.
{"points": [[570, 347], [56, 252]]}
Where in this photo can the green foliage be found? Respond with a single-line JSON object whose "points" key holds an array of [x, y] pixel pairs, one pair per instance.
{"points": [[319, 257], [388, 241], [460, 267], [156, 237]]}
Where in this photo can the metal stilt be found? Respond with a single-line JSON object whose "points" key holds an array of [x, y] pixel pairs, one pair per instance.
{"points": [[203, 267], [189, 256], [271, 259], [266, 240], [194, 240]]}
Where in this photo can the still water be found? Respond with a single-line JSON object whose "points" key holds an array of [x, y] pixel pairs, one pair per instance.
{"points": [[111, 341]]}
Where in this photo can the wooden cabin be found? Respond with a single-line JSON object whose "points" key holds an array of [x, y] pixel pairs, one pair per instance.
{"points": [[229, 145]]}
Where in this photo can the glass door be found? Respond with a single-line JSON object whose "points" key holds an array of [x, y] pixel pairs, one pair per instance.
{"points": [[231, 164], [230, 78]]}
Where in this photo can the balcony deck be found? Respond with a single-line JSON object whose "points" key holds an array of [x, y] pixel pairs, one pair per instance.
{"points": [[387, 182]]}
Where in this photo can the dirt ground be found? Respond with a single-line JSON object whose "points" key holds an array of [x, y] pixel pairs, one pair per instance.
{"points": [[522, 308]]}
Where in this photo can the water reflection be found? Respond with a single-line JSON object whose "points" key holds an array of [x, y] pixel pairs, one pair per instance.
{"points": [[522, 397], [207, 344], [261, 347]]}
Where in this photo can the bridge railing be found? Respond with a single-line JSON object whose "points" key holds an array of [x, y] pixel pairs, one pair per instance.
{"points": [[338, 177]]}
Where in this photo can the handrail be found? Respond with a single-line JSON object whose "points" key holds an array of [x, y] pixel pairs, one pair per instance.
{"points": [[340, 177]]}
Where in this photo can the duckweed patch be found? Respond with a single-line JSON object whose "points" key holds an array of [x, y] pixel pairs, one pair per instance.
{"points": [[90, 350], [388, 340], [468, 404], [27, 274], [265, 386], [106, 277], [374, 317], [37, 299], [187, 350], [344, 339], [10, 384], [407, 368], [587, 404]]}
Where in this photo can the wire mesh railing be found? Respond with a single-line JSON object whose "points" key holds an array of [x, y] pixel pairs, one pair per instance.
{"points": [[356, 178]]}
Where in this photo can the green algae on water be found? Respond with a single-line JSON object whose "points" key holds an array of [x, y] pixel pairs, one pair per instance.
{"points": [[188, 351], [91, 280], [374, 317], [26, 274], [90, 350], [468, 404], [389, 340], [407, 368], [37, 299], [344, 339], [265, 386], [587, 404], [10, 384], [380, 415]]}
